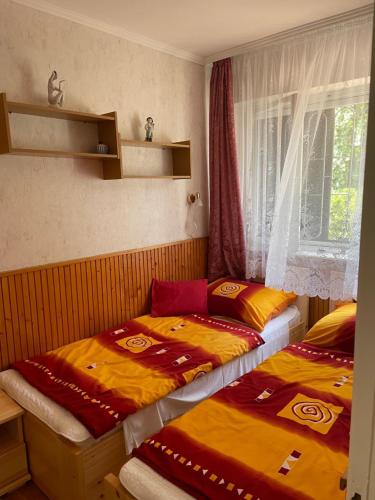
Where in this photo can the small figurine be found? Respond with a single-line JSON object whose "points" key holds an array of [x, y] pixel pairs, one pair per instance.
{"points": [[149, 127], [55, 93]]}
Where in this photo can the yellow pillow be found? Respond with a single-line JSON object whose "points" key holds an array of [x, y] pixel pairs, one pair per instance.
{"points": [[252, 303], [336, 330]]}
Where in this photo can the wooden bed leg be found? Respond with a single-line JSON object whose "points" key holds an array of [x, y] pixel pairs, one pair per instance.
{"points": [[114, 490]]}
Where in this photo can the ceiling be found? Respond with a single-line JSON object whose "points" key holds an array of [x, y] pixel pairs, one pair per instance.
{"points": [[195, 29]]}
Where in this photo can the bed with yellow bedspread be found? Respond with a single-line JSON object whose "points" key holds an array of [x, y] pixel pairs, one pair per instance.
{"points": [[103, 379], [280, 432]]}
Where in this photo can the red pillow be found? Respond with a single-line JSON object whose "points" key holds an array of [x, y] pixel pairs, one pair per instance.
{"points": [[174, 298]]}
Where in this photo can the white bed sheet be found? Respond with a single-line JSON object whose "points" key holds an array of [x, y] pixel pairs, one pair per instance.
{"points": [[151, 419]]}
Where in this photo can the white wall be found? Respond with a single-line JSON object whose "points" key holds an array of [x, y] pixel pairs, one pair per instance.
{"points": [[58, 209], [362, 433]]}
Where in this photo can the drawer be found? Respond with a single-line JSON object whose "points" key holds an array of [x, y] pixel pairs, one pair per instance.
{"points": [[13, 464]]}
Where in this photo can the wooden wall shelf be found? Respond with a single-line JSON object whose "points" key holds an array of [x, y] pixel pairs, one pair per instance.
{"points": [[107, 134], [54, 112], [158, 145], [58, 154], [174, 177], [180, 151]]}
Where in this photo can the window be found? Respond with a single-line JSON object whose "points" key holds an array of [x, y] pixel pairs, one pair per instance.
{"points": [[330, 183], [332, 147], [300, 109]]}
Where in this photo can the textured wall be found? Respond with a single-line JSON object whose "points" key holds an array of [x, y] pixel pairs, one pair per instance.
{"points": [[58, 209]]}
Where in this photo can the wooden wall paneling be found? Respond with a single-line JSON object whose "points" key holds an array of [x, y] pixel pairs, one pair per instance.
{"points": [[50, 300], [8, 320], [91, 271], [130, 265], [115, 290], [55, 291], [33, 313], [107, 294], [155, 271], [68, 301], [42, 326], [87, 296], [180, 252], [79, 300], [102, 291], [4, 359], [82, 298], [45, 307], [145, 282], [64, 314], [74, 301], [124, 266], [317, 309], [161, 258], [137, 281], [143, 285], [14, 315], [98, 297], [28, 318], [122, 287], [21, 315], [119, 286]]}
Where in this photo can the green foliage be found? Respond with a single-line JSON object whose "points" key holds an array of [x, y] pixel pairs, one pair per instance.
{"points": [[341, 211], [350, 127]]}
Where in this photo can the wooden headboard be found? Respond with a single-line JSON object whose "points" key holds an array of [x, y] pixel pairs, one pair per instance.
{"points": [[45, 307]]}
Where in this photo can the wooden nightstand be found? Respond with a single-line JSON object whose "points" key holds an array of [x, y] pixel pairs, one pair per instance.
{"points": [[13, 461]]}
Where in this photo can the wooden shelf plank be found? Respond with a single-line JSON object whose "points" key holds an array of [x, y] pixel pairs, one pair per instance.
{"points": [[175, 177], [159, 145], [9, 409], [60, 154], [52, 112]]}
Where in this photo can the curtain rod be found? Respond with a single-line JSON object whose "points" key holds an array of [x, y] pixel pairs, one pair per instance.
{"points": [[282, 35]]}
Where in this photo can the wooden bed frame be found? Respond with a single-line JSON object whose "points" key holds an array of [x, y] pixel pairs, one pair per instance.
{"points": [[62, 469], [114, 490]]}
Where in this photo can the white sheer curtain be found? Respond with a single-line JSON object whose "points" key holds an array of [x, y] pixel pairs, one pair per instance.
{"points": [[301, 115]]}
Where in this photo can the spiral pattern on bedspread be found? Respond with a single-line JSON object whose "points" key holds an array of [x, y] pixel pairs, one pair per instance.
{"points": [[314, 412], [228, 288], [138, 342]]}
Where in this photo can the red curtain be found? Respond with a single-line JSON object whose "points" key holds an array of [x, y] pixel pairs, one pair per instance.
{"points": [[226, 252]]}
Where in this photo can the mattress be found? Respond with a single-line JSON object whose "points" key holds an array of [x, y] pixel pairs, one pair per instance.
{"points": [[146, 484], [151, 419]]}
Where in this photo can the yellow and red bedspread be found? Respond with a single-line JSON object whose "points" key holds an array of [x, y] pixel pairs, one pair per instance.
{"points": [[280, 432], [103, 379]]}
